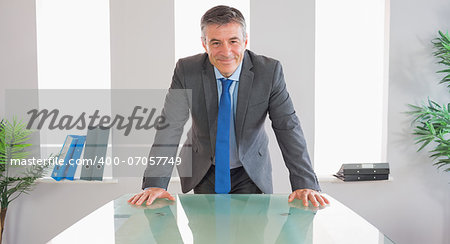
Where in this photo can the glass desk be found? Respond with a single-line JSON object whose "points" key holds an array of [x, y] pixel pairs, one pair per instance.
{"points": [[192, 218]]}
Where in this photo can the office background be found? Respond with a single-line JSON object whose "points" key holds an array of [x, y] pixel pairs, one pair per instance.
{"points": [[412, 208]]}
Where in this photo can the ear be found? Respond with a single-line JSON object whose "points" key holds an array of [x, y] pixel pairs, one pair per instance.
{"points": [[246, 40], [204, 44]]}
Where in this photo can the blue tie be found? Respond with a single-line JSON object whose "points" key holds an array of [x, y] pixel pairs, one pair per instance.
{"points": [[222, 173]]}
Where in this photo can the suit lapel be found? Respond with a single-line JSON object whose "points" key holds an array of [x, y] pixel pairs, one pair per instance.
{"points": [[245, 87], [211, 97]]}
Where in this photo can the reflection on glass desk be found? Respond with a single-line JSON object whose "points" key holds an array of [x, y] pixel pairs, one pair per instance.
{"points": [[235, 218]]}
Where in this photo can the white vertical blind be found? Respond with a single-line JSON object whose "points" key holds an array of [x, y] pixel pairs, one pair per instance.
{"points": [[73, 44], [73, 52], [350, 83]]}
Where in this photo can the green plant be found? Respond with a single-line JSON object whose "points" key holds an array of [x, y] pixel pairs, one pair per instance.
{"points": [[15, 180], [432, 121], [442, 45]]}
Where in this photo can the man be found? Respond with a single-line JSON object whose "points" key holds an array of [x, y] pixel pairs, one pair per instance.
{"points": [[233, 90]]}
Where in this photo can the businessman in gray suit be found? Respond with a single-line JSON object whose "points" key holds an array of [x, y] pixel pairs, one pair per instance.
{"points": [[233, 91]]}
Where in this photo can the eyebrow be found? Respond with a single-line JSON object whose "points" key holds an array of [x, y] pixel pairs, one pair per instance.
{"points": [[214, 40], [232, 38]]}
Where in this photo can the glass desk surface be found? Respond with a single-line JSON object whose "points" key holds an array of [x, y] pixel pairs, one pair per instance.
{"points": [[264, 218]]}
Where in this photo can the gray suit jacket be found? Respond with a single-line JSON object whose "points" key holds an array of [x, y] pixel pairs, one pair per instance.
{"points": [[262, 91]]}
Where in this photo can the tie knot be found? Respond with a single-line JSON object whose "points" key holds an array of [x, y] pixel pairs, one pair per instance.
{"points": [[226, 83]]}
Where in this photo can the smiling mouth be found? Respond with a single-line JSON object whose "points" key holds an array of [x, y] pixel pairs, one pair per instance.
{"points": [[227, 61]]}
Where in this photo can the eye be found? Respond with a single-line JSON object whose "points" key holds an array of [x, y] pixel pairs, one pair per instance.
{"points": [[215, 44], [234, 42]]}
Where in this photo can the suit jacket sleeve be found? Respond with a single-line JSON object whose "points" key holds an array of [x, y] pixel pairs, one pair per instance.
{"points": [[176, 113], [290, 136]]}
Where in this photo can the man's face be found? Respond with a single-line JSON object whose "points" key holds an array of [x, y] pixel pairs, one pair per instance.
{"points": [[225, 46]]}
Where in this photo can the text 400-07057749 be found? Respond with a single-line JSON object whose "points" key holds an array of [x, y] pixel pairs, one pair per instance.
{"points": [[102, 160]]}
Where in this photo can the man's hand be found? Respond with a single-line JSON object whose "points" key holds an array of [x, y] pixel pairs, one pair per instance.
{"points": [[150, 195], [308, 194]]}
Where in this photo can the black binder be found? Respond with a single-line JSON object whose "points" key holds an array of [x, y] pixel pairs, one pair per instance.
{"points": [[362, 177], [364, 169], [363, 172]]}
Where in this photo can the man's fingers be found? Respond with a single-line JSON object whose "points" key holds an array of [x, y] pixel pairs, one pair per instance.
{"points": [[159, 194], [326, 200], [142, 198], [152, 198], [304, 198], [170, 197], [291, 197], [149, 196], [136, 198], [313, 200], [301, 196], [307, 195], [132, 198], [167, 195], [320, 199]]}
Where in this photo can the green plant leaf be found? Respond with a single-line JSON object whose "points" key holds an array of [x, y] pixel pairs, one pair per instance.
{"points": [[13, 145], [431, 121]]}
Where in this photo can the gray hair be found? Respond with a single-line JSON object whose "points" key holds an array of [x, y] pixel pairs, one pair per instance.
{"points": [[222, 15]]}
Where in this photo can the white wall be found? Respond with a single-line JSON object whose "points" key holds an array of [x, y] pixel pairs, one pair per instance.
{"points": [[18, 58], [421, 187], [18, 66], [414, 208], [142, 41], [286, 32]]}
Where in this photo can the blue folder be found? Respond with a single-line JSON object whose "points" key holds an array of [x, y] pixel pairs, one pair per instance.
{"points": [[66, 153], [71, 168]]}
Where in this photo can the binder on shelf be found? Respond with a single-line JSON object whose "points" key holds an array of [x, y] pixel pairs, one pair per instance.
{"points": [[66, 153], [363, 172], [89, 155], [72, 165], [102, 146], [364, 169], [363, 177], [94, 153]]}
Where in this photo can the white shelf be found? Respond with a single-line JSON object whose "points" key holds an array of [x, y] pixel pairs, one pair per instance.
{"points": [[77, 181], [49, 180], [333, 179]]}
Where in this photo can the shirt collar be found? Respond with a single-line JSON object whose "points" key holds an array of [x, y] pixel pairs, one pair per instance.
{"points": [[235, 76]]}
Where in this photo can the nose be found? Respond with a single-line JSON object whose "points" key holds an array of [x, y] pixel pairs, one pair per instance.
{"points": [[226, 48]]}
